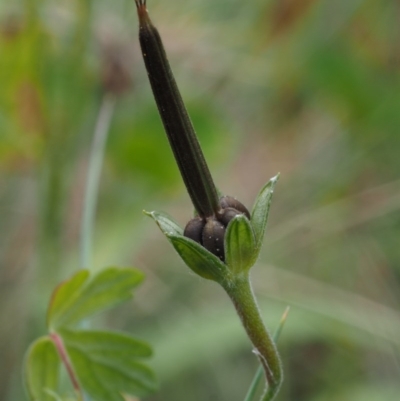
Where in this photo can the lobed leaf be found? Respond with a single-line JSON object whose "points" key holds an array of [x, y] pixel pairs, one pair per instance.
{"points": [[106, 364], [85, 295], [260, 212], [240, 250], [41, 370], [103, 342]]}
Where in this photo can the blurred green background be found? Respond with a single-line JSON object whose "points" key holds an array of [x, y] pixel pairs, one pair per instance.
{"points": [[309, 88]]}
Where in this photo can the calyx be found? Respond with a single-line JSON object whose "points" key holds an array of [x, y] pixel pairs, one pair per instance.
{"points": [[210, 231]]}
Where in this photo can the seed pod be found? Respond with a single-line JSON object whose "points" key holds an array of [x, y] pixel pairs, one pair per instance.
{"points": [[231, 202], [178, 126], [213, 237], [194, 229], [226, 215], [210, 232]]}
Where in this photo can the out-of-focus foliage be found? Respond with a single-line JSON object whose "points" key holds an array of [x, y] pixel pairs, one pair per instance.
{"points": [[310, 88], [102, 364]]}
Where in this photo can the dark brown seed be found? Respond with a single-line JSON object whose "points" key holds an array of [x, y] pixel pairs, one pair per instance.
{"points": [[231, 202], [213, 237], [226, 215], [194, 229]]}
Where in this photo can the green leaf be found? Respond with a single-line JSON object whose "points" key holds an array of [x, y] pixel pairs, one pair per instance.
{"points": [[106, 364], [104, 342], [41, 371], [199, 260], [240, 251], [259, 214], [56, 397], [166, 224], [84, 295]]}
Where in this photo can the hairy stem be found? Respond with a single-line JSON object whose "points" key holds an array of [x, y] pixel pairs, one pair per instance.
{"points": [[242, 296], [250, 396]]}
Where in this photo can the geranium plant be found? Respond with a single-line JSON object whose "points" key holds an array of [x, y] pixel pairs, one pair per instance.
{"points": [[221, 243]]}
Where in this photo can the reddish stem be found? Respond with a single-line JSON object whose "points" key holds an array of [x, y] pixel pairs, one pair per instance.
{"points": [[58, 342]]}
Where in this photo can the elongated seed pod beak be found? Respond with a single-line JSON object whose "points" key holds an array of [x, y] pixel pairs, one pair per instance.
{"points": [[214, 214], [177, 124]]}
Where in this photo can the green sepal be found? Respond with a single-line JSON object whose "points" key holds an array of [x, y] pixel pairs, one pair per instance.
{"points": [[41, 370], [240, 251], [199, 260], [259, 214], [109, 363], [166, 224], [195, 256]]}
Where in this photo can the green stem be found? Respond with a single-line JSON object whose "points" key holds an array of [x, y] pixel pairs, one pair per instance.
{"points": [[254, 384], [242, 296], [93, 178], [250, 396], [96, 158]]}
